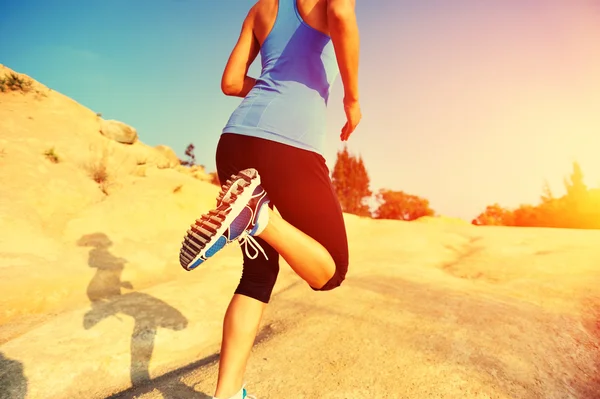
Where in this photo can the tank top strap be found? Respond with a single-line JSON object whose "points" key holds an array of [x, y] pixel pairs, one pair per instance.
{"points": [[288, 10]]}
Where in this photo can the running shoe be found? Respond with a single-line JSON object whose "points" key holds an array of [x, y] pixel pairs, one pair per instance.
{"points": [[240, 214]]}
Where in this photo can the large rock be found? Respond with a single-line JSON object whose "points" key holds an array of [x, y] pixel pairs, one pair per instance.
{"points": [[169, 154], [118, 131]]}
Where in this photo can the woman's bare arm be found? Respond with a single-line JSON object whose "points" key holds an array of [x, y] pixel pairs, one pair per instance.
{"points": [[235, 80], [343, 28]]}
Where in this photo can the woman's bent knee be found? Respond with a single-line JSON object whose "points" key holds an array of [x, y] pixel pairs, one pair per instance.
{"points": [[336, 280], [259, 277]]}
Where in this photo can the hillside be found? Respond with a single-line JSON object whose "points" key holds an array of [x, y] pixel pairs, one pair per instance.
{"points": [[94, 300]]}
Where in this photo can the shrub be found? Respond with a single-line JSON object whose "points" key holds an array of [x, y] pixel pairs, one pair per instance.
{"points": [[402, 206], [14, 82], [52, 156]]}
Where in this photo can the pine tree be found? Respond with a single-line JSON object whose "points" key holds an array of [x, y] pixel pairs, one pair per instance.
{"points": [[351, 183], [575, 186], [547, 195]]}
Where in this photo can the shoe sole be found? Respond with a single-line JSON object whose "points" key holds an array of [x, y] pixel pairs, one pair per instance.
{"points": [[224, 194], [199, 243]]}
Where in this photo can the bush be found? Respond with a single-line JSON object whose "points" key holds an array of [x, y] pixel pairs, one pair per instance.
{"points": [[13, 82], [579, 208], [401, 206], [52, 156], [97, 169]]}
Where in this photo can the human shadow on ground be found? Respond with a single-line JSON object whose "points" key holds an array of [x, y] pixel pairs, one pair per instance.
{"points": [[169, 384], [149, 313], [171, 381], [13, 383]]}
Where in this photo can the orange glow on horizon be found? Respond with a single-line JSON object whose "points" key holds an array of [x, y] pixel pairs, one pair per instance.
{"points": [[468, 109]]}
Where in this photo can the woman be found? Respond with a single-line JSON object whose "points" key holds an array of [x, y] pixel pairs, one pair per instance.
{"points": [[271, 154]]}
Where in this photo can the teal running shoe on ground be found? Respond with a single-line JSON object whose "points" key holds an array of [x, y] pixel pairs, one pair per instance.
{"points": [[246, 396], [242, 394], [241, 213]]}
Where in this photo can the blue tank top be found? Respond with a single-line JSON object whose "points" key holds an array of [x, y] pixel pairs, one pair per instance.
{"points": [[288, 104]]}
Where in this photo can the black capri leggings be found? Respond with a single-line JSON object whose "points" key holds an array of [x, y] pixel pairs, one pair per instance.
{"points": [[298, 184]]}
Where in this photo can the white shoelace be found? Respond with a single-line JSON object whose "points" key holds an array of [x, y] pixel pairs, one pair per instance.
{"points": [[248, 240]]}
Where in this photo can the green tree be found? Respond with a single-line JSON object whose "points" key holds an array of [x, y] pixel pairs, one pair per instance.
{"points": [[401, 206], [351, 183]]}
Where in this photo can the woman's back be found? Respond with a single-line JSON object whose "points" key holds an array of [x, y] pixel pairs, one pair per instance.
{"points": [[313, 12], [288, 102]]}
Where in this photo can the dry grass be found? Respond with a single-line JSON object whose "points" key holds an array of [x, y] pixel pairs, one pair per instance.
{"points": [[40, 94], [98, 168], [13, 82], [52, 156], [99, 172]]}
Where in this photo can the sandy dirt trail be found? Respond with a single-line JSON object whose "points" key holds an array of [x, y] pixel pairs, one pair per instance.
{"points": [[508, 317]]}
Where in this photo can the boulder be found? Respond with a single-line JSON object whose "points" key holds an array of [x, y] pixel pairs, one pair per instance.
{"points": [[118, 131], [169, 154]]}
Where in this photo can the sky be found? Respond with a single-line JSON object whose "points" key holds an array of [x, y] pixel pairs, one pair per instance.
{"points": [[465, 102]]}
